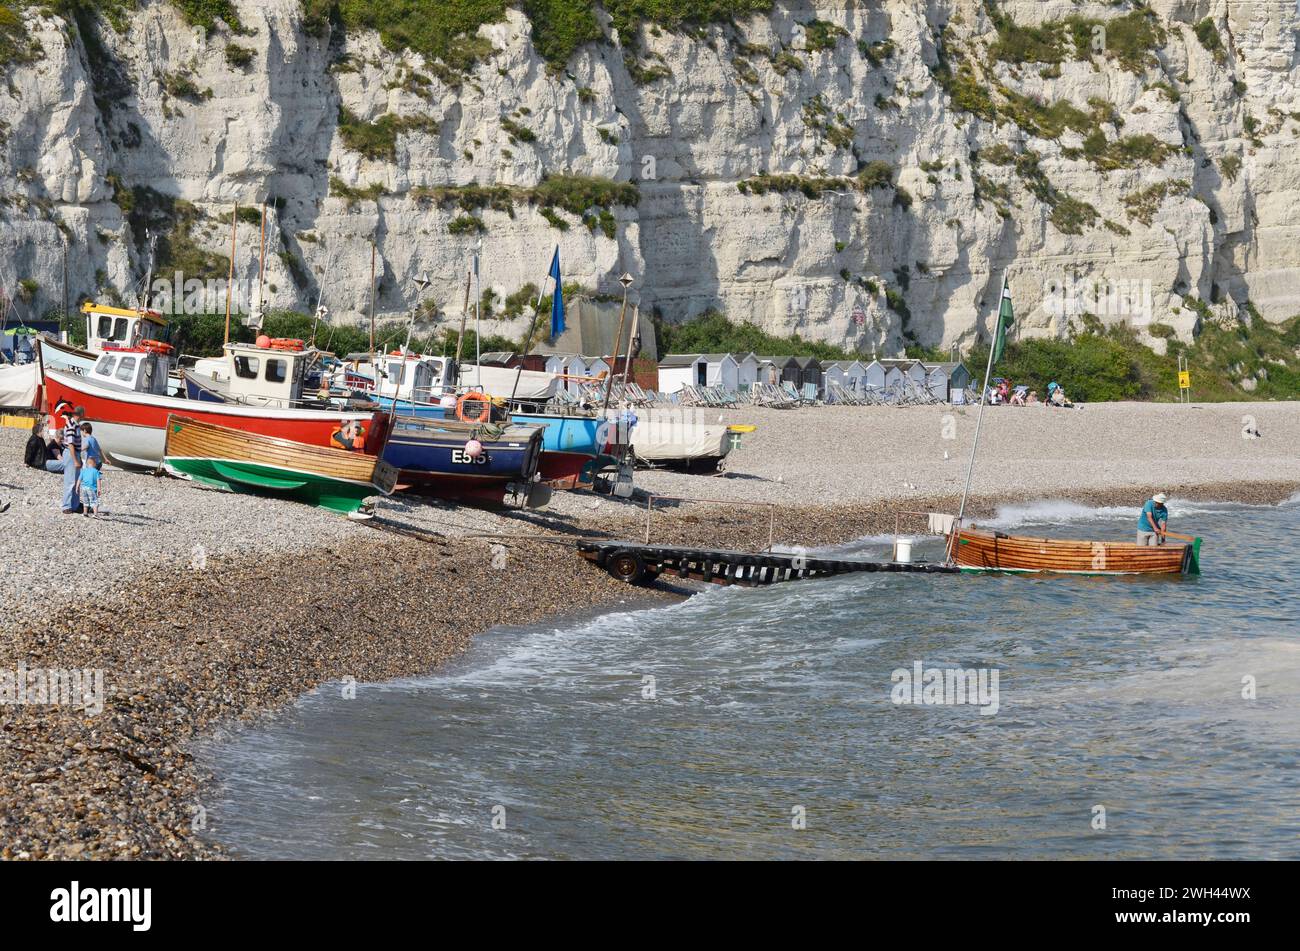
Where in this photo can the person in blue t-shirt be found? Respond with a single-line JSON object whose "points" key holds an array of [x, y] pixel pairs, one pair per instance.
{"points": [[90, 445], [90, 483], [1153, 522]]}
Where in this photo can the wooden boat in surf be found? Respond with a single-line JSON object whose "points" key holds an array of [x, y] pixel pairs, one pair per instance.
{"points": [[978, 550], [241, 461]]}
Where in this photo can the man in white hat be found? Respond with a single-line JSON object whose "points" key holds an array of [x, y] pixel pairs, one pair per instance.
{"points": [[1153, 521]]}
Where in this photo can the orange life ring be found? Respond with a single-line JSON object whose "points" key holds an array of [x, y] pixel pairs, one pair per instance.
{"points": [[479, 398], [156, 346], [286, 343]]}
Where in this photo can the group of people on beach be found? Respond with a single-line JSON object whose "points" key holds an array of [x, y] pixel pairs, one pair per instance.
{"points": [[1003, 393], [64, 443]]}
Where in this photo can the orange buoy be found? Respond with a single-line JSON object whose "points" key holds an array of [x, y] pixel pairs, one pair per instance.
{"points": [[485, 404], [262, 341]]}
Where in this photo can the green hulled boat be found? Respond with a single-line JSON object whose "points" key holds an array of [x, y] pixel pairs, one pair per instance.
{"points": [[329, 478]]}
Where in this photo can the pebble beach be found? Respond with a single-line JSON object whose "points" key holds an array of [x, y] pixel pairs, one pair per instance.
{"points": [[205, 609]]}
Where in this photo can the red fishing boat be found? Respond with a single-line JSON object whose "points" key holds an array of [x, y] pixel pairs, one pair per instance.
{"points": [[130, 414]]}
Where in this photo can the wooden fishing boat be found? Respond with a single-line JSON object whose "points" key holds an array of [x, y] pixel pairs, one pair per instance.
{"points": [[242, 461], [979, 550]]}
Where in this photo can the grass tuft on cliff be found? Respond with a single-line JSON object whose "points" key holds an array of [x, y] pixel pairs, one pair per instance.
{"points": [[447, 30], [378, 139]]}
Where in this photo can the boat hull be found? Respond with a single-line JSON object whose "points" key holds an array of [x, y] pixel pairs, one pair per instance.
{"points": [[61, 356], [333, 479], [131, 426], [431, 457], [975, 550]]}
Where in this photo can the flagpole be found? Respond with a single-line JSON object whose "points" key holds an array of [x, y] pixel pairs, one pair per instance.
{"points": [[532, 327], [979, 419]]}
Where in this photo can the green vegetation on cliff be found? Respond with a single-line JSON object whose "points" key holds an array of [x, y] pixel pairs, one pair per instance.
{"points": [[714, 333], [1098, 363], [446, 29]]}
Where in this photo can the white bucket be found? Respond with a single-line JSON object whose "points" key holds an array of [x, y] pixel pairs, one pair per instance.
{"points": [[903, 550]]}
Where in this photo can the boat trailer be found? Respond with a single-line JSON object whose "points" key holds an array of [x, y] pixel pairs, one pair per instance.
{"points": [[641, 563]]}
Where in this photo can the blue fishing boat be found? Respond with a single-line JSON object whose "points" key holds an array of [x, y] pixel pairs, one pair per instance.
{"points": [[409, 407], [464, 460], [574, 445]]}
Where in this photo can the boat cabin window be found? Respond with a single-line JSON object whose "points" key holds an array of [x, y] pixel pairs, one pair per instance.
{"points": [[126, 371], [146, 376], [276, 371], [111, 328], [106, 364], [246, 367], [396, 369]]}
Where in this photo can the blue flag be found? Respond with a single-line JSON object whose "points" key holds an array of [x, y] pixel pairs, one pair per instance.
{"points": [[557, 300]]}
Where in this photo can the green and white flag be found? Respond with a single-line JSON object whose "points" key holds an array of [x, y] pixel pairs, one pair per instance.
{"points": [[1005, 320]]}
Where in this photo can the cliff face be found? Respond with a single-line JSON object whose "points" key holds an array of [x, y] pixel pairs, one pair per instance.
{"points": [[889, 157]]}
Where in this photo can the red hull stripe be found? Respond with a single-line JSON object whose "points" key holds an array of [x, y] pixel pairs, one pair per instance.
{"points": [[140, 409]]}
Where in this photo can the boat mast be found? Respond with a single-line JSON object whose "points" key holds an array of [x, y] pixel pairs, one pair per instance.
{"points": [[460, 338], [142, 300], [230, 277], [372, 311], [631, 334], [261, 266], [320, 294], [626, 281], [979, 419], [478, 304]]}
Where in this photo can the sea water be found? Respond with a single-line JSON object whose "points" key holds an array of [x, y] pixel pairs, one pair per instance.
{"points": [[1134, 718]]}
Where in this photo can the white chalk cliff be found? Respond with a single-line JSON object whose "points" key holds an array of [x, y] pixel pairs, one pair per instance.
{"points": [[1192, 194]]}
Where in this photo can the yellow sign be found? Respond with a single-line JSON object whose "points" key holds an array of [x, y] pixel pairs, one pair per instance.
{"points": [[1184, 380]]}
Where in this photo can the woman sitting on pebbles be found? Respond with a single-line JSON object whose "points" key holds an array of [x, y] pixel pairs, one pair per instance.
{"points": [[42, 450]]}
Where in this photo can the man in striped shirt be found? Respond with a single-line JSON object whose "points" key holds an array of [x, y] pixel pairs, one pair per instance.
{"points": [[72, 460]]}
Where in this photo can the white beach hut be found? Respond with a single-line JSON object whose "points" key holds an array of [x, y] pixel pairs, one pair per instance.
{"points": [[679, 369], [697, 369], [936, 380], [873, 377], [848, 374], [747, 369], [722, 370], [893, 376]]}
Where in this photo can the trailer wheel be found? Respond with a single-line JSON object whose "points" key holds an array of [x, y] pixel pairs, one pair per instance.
{"points": [[627, 566]]}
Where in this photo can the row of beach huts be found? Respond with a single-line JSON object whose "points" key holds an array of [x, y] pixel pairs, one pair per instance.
{"points": [[831, 379], [828, 381]]}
